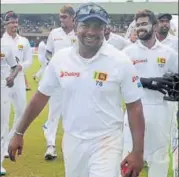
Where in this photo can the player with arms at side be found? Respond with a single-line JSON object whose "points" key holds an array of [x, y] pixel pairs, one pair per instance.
{"points": [[22, 51], [9, 71], [152, 60], [93, 83], [59, 38]]}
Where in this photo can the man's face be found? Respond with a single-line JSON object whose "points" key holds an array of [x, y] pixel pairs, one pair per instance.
{"points": [[107, 30], [163, 25], [144, 28], [66, 20], [90, 33], [12, 26], [133, 35]]}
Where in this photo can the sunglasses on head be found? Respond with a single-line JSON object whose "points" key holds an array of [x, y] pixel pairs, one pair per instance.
{"points": [[91, 9]]}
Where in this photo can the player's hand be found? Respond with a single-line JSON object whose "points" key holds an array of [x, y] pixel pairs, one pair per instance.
{"points": [[20, 67], [10, 81], [15, 147], [132, 165]]}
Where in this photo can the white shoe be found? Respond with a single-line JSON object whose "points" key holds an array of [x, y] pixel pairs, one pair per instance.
{"points": [[3, 171], [50, 153]]}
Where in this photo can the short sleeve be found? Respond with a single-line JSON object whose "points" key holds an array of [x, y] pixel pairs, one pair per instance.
{"points": [[131, 86], [50, 47], [11, 61], [49, 82], [172, 64]]}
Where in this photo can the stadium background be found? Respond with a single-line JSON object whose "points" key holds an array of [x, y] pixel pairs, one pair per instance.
{"points": [[37, 19]]}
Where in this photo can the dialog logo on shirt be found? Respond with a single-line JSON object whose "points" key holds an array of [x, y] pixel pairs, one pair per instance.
{"points": [[100, 78], [161, 61], [69, 74], [137, 81], [20, 47], [139, 61]]}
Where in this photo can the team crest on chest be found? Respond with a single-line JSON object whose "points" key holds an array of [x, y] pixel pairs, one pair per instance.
{"points": [[20, 47], [161, 61], [100, 78]]}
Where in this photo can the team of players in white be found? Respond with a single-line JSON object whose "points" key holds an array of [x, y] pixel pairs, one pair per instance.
{"points": [[156, 110]]}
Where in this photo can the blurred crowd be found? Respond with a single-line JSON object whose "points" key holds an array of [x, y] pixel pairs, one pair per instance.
{"points": [[45, 23]]}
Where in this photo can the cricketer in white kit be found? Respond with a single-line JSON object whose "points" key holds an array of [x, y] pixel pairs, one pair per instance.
{"points": [[93, 77], [59, 38], [152, 60], [9, 71], [164, 36], [23, 53]]}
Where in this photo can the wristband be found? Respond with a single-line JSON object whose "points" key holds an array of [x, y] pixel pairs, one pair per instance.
{"points": [[18, 133]]}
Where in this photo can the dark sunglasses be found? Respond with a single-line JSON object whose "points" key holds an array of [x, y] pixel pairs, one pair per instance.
{"points": [[63, 16]]}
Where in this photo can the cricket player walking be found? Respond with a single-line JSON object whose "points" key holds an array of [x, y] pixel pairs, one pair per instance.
{"points": [[59, 38], [93, 81], [152, 60], [9, 70], [164, 36], [23, 53]]}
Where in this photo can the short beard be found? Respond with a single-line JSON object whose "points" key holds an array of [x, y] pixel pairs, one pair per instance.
{"points": [[161, 32], [148, 36]]}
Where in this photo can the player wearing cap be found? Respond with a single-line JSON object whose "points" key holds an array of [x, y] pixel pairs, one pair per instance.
{"points": [[23, 53], [42, 59], [59, 38], [7, 80], [152, 60], [163, 29], [94, 77], [116, 40]]}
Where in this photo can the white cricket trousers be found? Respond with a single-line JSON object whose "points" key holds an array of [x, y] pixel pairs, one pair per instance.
{"points": [[18, 100], [5, 114], [157, 138], [99, 157], [51, 126]]}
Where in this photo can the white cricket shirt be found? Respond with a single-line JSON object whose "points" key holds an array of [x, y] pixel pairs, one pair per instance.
{"points": [[21, 49], [7, 62], [118, 41], [171, 41], [42, 52], [154, 62], [92, 91], [58, 39]]}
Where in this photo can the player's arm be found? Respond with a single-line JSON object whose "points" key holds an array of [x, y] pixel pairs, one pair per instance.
{"points": [[27, 60], [50, 47], [47, 85], [132, 92], [11, 61]]}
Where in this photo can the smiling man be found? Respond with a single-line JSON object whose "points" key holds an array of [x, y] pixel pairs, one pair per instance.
{"points": [[97, 77], [152, 60]]}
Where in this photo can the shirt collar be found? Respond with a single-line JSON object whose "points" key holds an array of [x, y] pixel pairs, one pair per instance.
{"points": [[157, 43], [6, 35], [102, 51]]}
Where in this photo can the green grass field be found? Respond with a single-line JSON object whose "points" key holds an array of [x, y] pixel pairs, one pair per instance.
{"points": [[32, 163]]}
